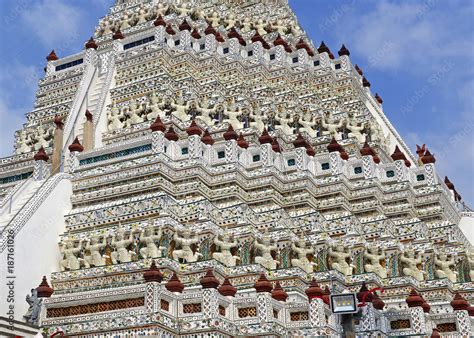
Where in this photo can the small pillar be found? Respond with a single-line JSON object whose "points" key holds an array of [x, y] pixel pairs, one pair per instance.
{"points": [[210, 42], [153, 277], [460, 307], [157, 136], [209, 151], [344, 58], [401, 164], [185, 35], [159, 31], [335, 163], [316, 304], [57, 145], [368, 164], [417, 314], [51, 67], [172, 138], [231, 151], [194, 137], [209, 285], [266, 148], [88, 137], [324, 59], [428, 161], [41, 165], [264, 306]]}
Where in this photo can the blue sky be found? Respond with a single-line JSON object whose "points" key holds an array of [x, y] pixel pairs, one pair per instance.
{"points": [[418, 55]]}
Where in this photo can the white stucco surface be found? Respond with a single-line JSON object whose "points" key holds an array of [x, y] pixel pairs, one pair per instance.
{"points": [[36, 252]]}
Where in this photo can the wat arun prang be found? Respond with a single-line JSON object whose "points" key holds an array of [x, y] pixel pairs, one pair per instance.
{"points": [[200, 168]]}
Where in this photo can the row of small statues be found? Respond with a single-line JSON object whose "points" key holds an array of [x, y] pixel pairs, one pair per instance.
{"points": [[238, 117], [142, 15], [31, 141], [340, 258]]}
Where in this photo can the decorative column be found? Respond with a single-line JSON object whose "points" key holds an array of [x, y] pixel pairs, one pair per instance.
{"points": [[228, 290], [57, 146], [210, 304], [209, 151], [231, 137], [369, 159], [336, 154], [461, 307], [43, 291], [301, 152], [401, 164], [243, 145], [157, 136], [194, 145], [324, 60], [344, 58], [264, 308], [185, 35], [88, 136], [74, 149], [41, 165], [428, 161], [316, 304], [153, 278], [51, 67], [415, 303], [159, 31], [172, 138], [305, 53], [266, 148], [211, 42]]}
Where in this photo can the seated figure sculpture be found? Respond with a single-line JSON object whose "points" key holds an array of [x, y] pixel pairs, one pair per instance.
{"points": [[302, 251], [410, 262], [266, 259], [186, 253], [443, 267], [147, 236], [373, 265], [94, 246], [120, 244], [339, 257], [225, 256]]}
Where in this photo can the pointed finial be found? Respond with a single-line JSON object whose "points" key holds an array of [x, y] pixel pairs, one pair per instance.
{"points": [[41, 155], [207, 138], [118, 35], [76, 146], [44, 290], [52, 56], [343, 51], [323, 48], [91, 44]]}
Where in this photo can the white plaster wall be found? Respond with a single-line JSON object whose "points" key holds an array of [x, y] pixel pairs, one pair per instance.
{"points": [[36, 248], [467, 227]]}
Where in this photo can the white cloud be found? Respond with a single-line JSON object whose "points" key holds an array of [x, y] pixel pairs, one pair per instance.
{"points": [[396, 35], [55, 23]]}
